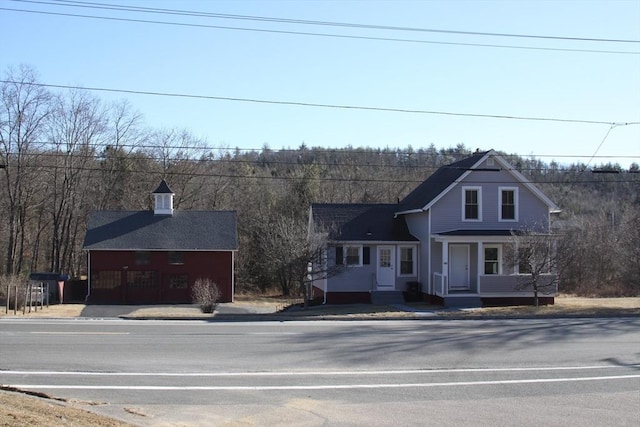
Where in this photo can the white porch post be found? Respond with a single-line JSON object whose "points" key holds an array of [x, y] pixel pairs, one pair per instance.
{"points": [[480, 264], [445, 267]]}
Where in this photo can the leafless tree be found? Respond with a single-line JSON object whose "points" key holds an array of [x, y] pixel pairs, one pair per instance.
{"points": [[77, 125], [534, 258], [24, 108]]}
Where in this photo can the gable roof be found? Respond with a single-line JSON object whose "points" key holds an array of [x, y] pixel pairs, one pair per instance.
{"points": [[360, 222], [142, 230], [437, 183], [446, 177]]}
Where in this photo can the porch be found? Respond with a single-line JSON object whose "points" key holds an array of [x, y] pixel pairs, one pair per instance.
{"points": [[491, 289]]}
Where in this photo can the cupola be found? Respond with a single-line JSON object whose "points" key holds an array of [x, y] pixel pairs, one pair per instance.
{"points": [[163, 199]]}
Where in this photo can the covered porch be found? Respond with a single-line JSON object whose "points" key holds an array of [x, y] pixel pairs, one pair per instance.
{"points": [[470, 269]]}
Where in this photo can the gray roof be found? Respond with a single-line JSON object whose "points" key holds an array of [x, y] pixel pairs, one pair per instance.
{"points": [[437, 183], [142, 230], [360, 222]]}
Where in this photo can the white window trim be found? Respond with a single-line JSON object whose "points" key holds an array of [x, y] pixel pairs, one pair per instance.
{"points": [[344, 256], [515, 203], [464, 203], [484, 259], [414, 251]]}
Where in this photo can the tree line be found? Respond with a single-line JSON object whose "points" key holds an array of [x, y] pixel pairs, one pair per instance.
{"points": [[64, 154]]}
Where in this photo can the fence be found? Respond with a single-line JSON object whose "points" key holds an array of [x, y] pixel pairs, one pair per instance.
{"points": [[35, 295]]}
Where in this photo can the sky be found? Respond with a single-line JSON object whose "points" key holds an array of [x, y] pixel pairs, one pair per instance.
{"points": [[397, 80]]}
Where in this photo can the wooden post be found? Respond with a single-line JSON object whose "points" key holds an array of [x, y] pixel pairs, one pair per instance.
{"points": [[15, 297], [26, 299], [8, 297]]}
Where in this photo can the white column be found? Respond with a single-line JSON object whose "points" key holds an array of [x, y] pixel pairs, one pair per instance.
{"points": [[480, 264], [445, 266]]}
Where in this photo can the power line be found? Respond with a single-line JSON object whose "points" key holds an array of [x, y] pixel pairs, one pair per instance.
{"points": [[259, 161], [341, 36], [317, 105], [312, 178], [104, 6]]}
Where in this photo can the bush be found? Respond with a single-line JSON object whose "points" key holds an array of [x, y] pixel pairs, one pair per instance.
{"points": [[205, 293]]}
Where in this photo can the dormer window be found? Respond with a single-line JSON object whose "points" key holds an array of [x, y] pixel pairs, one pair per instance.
{"points": [[163, 199]]}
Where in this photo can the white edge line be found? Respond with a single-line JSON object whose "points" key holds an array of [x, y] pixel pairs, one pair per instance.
{"points": [[311, 373], [319, 387]]}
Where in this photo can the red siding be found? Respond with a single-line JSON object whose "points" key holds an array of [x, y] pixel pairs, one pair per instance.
{"points": [[217, 266]]}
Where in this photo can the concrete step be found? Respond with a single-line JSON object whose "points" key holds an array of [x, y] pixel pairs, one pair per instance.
{"points": [[387, 297]]}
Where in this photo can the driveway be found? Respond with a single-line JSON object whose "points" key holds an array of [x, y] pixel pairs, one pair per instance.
{"points": [[170, 310]]}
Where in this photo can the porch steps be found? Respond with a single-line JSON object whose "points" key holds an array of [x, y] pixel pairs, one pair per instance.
{"points": [[462, 301], [387, 297]]}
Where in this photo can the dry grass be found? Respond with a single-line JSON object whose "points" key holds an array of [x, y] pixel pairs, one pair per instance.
{"points": [[54, 310], [564, 306], [18, 409]]}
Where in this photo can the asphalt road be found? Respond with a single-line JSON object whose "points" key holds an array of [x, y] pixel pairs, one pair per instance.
{"points": [[569, 372]]}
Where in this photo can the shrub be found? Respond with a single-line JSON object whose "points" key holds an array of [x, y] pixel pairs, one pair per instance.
{"points": [[205, 293]]}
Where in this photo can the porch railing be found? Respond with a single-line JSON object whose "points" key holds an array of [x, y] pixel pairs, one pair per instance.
{"points": [[493, 284], [512, 284], [440, 285]]}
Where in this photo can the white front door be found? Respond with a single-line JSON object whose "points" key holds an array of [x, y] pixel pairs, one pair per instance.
{"points": [[386, 267], [458, 267]]}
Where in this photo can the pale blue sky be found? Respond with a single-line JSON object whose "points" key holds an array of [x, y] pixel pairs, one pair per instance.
{"points": [[214, 62]]}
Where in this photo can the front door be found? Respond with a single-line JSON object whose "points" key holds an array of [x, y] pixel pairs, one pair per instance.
{"points": [[458, 267], [386, 267]]}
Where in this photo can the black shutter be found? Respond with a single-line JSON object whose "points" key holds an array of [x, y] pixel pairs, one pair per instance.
{"points": [[366, 255], [339, 256]]}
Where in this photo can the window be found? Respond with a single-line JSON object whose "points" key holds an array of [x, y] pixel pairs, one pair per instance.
{"points": [[178, 281], [491, 260], [472, 206], [143, 258], [353, 255], [407, 261], [176, 258], [105, 279], [141, 279], [508, 204]]}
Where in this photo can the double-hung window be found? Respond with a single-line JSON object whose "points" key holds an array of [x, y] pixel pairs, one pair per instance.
{"points": [[491, 260], [508, 200], [352, 255], [407, 261], [472, 203]]}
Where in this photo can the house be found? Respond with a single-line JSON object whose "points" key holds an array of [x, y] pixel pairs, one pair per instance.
{"points": [[156, 256], [445, 241]]}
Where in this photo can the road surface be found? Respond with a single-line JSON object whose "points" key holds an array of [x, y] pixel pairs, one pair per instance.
{"points": [[570, 372]]}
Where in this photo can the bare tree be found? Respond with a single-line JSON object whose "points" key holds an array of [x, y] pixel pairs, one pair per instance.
{"points": [[77, 125], [24, 108], [534, 259]]}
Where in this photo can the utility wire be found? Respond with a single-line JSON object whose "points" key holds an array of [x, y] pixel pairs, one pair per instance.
{"points": [[340, 36], [316, 105], [169, 172], [104, 6], [271, 163], [350, 151]]}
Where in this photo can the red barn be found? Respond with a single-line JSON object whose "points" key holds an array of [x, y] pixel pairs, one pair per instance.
{"points": [[147, 257]]}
